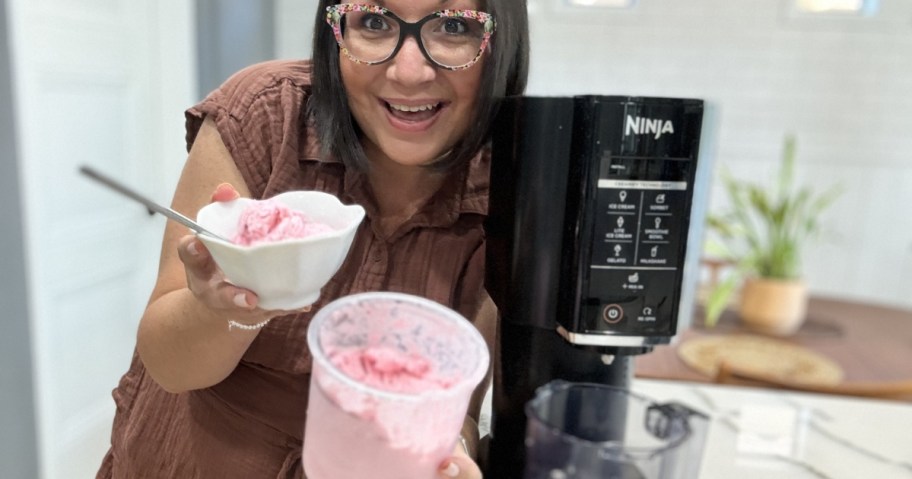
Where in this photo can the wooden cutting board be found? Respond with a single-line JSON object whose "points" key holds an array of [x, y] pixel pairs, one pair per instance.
{"points": [[759, 354]]}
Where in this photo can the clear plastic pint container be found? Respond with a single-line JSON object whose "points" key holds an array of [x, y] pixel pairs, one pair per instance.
{"points": [[391, 383], [597, 431]]}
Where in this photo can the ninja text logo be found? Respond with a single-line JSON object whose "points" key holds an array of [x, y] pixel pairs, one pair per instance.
{"points": [[648, 126]]}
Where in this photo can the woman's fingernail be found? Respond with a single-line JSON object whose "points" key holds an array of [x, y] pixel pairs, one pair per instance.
{"points": [[229, 187], [194, 251], [241, 300], [452, 470]]}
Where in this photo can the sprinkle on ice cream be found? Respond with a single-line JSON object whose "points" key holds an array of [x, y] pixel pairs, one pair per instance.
{"points": [[269, 220]]}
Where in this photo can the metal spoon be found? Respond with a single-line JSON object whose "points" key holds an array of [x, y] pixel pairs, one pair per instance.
{"points": [[153, 206]]}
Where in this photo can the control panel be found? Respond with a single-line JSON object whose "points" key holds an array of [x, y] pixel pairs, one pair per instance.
{"points": [[636, 252], [633, 220]]}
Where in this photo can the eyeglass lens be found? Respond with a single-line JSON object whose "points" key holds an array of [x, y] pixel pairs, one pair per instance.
{"points": [[449, 41]]}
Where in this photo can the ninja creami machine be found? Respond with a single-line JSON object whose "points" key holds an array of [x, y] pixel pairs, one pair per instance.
{"points": [[593, 232]]}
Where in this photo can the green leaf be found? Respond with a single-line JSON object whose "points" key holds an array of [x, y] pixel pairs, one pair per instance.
{"points": [[764, 229], [719, 298], [787, 169]]}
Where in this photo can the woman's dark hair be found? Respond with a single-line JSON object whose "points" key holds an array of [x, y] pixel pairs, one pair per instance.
{"points": [[506, 68]]}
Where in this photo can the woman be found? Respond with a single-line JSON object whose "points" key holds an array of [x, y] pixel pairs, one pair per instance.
{"points": [[390, 115]]}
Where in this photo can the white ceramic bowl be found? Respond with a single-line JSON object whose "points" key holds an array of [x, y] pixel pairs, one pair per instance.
{"points": [[286, 274]]}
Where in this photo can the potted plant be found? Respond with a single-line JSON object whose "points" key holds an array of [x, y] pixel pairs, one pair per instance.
{"points": [[762, 234]]}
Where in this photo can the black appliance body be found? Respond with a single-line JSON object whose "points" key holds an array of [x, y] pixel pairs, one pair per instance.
{"points": [[592, 212]]}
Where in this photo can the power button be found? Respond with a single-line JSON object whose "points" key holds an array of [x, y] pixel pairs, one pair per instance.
{"points": [[612, 314]]}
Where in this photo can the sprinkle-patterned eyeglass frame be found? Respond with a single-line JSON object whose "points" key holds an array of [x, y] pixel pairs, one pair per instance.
{"points": [[335, 13]]}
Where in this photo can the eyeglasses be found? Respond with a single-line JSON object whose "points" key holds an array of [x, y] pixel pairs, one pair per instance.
{"points": [[371, 34]]}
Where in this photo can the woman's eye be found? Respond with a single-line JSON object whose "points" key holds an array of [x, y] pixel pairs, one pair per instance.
{"points": [[374, 22], [455, 26]]}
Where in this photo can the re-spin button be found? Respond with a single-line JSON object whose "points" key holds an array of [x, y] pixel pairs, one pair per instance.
{"points": [[612, 314]]}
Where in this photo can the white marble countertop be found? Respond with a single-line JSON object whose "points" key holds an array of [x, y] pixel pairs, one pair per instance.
{"points": [[817, 436], [765, 433]]}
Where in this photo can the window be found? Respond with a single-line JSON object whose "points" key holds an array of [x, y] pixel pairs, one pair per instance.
{"points": [[861, 7], [601, 3]]}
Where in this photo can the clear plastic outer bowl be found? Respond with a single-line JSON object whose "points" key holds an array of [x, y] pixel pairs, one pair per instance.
{"points": [[596, 431], [285, 274], [356, 431]]}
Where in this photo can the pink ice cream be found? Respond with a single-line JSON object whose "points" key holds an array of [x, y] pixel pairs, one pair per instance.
{"points": [[390, 387], [390, 370], [344, 427], [269, 220]]}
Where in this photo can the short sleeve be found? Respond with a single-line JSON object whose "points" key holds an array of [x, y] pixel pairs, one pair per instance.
{"points": [[260, 115]]}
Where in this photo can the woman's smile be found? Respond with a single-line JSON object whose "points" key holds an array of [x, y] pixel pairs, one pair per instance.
{"points": [[413, 116]]}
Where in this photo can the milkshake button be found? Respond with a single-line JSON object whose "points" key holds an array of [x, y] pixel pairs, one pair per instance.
{"points": [[612, 314]]}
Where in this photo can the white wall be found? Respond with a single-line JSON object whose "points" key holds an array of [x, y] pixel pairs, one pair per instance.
{"points": [[103, 84], [231, 34], [18, 441], [842, 85], [294, 27]]}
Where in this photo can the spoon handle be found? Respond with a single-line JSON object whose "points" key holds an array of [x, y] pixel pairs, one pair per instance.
{"points": [[153, 206]]}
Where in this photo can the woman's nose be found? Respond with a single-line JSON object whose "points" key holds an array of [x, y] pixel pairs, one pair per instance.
{"points": [[410, 66]]}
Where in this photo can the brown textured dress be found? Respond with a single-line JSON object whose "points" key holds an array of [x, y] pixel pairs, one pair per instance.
{"points": [[251, 424]]}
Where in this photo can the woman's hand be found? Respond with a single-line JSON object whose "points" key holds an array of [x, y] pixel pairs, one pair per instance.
{"points": [[459, 465], [209, 285], [185, 338]]}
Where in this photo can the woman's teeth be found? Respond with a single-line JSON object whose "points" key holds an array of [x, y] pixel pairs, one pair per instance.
{"points": [[413, 109]]}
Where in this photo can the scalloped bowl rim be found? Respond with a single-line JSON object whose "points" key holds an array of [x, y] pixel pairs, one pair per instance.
{"points": [[240, 204]]}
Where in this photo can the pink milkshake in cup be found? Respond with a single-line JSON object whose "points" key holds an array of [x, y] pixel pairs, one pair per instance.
{"points": [[391, 382]]}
